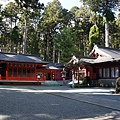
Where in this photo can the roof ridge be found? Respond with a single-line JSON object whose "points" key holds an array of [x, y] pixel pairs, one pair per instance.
{"points": [[99, 46], [11, 53], [8, 53]]}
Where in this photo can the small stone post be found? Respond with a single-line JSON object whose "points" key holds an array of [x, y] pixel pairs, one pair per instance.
{"points": [[118, 85], [64, 75], [72, 79]]}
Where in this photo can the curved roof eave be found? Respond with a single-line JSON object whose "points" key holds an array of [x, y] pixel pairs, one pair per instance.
{"points": [[11, 57]]}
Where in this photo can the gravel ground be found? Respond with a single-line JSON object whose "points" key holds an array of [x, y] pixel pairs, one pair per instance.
{"points": [[24, 104]]}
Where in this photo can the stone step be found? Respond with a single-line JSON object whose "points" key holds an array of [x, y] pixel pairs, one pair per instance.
{"points": [[47, 83]]}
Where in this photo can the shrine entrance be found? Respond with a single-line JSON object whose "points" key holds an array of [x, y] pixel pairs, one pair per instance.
{"points": [[3, 71]]}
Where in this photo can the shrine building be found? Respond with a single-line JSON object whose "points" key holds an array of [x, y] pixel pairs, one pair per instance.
{"points": [[102, 65]]}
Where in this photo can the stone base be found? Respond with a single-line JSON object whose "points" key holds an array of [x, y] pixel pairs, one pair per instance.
{"points": [[115, 92]]}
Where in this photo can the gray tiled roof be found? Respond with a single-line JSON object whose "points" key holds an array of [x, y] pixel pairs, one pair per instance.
{"points": [[114, 53], [20, 58], [108, 54], [54, 66]]}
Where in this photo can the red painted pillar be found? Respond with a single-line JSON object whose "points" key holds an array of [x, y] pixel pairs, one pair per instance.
{"points": [[7, 66]]}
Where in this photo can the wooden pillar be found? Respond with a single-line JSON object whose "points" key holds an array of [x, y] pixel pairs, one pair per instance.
{"points": [[7, 66]]}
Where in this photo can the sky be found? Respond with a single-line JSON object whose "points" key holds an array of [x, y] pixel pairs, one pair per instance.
{"points": [[68, 4]]}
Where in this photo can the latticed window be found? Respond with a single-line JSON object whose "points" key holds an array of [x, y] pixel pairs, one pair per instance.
{"points": [[112, 72], [103, 72], [28, 72], [15, 72], [32, 72], [10, 72], [24, 72], [100, 73], [107, 72], [116, 72]]}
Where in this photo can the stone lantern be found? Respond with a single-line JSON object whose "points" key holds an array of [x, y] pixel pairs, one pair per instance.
{"points": [[64, 75]]}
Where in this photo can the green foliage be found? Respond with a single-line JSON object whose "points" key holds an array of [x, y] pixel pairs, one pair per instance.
{"points": [[74, 9], [105, 8], [48, 26], [115, 34], [64, 33], [82, 27], [30, 3], [109, 15], [65, 42], [52, 12], [15, 34], [94, 35]]}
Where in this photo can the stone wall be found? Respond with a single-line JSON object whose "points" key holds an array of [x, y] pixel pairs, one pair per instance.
{"points": [[107, 82]]}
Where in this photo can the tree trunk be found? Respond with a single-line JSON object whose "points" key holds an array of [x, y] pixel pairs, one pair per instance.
{"points": [[53, 52], [47, 50], [106, 33], [58, 61], [24, 37], [11, 41]]}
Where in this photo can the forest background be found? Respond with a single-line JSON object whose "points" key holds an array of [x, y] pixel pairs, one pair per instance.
{"points": [[55, 33]]}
